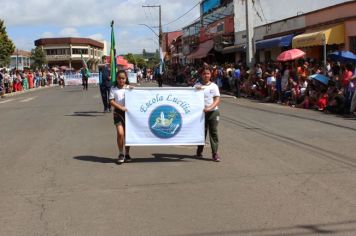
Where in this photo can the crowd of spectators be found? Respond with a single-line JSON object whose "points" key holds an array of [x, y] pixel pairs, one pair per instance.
{"points": [[18, 80], [287, 83]]}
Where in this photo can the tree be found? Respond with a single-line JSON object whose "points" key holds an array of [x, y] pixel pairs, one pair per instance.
{"points": [[38, 57], [135, 59], [130, 58], [7, 47]]}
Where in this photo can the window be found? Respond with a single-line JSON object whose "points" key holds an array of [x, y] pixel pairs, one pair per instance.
{"points": [[80, 51], [353, 44], [220, 28], [51, 51]]}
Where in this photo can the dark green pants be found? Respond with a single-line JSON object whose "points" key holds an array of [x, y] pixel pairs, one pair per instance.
{"points": [[211, 124]]}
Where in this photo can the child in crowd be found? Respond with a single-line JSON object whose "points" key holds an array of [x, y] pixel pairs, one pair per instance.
{"points": [[323, 100]]}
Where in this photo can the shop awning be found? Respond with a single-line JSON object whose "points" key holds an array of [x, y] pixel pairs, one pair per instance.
{"points": [[235, 48], [332, 35], [202, 50], [283, 41]]}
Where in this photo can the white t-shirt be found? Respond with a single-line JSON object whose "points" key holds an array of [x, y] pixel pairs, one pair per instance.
{"points": [[118, 95], [211, 90]]}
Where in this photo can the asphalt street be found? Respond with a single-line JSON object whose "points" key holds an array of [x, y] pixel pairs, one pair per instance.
{"points": [[284, 171]]}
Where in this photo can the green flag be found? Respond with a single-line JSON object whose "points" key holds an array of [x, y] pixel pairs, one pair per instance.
{"points": [[113, 55], [87, 71]]}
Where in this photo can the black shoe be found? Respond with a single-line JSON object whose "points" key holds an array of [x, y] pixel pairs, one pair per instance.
{"points": [[128, 158], [120, 159], [200, 152]]}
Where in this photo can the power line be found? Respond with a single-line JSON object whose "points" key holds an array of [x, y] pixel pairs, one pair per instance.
{"points": [[254, 7], [263, 14], [181, 15]]}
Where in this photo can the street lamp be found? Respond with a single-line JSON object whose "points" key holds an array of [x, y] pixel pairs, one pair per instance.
{"points": [[150, 29]]}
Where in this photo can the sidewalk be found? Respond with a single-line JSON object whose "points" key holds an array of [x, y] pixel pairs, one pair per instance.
{"points": [[7, 95]]}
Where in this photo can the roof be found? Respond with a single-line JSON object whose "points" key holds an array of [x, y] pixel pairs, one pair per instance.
{"points": [[202, 50], [70, 40], [21, 53]]}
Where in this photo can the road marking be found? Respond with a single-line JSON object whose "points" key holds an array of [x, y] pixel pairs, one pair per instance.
{"points": [[28, 99], [96, 96], [7, 101]]}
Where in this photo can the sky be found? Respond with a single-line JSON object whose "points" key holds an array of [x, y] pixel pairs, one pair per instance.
{"points": [[29, 20]]}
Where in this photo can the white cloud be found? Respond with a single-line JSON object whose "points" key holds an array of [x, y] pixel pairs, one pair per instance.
{"points": [[69, 32], [97, 36], [47, 35]]}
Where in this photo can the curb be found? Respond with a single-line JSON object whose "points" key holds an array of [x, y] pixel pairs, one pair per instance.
{"points": [[26, 91]]}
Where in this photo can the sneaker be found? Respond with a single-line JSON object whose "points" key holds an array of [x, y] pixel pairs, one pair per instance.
{"points": [[120, 159], [216, 157], [128, 158]]}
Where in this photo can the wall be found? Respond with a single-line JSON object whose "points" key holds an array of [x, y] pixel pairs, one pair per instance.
{"points": [[270, 29], [350, 30], [208, 5], [334, 13]]}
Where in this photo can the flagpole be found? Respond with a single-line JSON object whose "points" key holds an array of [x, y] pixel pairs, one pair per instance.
{"points": [[113, 55]]}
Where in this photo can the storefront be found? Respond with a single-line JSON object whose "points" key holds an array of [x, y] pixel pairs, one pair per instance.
{"points": [[269, 49], [319, 42]]}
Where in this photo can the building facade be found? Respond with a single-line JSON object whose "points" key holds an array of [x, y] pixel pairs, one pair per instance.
{"points": [[20, 60], [69, 52], [333, 26]]}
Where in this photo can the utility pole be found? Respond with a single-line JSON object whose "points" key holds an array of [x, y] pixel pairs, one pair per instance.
{"points": [[250, 47], [160, 22]]}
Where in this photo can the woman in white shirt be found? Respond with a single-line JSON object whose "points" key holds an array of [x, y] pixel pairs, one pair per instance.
{"points": [[117, 100], [211, 102]]}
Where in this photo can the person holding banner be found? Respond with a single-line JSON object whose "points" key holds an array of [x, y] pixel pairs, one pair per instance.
{"points": [[117, 100], [211, 102]]}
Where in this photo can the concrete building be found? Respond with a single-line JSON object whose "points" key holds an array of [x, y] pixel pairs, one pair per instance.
{"points": [[68, 51], [20, 59], [205, 39], [337, 23]]}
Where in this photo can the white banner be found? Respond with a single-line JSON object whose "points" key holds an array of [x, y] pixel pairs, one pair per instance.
{"points": [[164, 116], [132, 77], [76, 79]]}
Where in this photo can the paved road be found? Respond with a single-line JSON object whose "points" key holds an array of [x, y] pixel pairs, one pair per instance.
{"points": [[285, 171]]}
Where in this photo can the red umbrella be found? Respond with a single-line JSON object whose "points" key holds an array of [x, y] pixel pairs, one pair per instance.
{"points": [[291, 55]]}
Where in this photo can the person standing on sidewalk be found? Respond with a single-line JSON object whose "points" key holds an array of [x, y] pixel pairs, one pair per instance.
{"points": [[353, 90], [237, 79], [211, 102], [117, 100], [105, 85]]}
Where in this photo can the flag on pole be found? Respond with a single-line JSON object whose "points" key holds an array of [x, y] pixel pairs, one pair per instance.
{"points": [[112, 55], [161, 61], [87, 71]]}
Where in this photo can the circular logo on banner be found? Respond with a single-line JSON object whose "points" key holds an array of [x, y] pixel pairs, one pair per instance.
{"points": [[165, 121]]}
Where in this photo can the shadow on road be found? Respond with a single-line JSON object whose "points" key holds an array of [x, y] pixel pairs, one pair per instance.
{"points": [[96, 159], [86, 113], [177, 156], [342, 227], [157, 157]]}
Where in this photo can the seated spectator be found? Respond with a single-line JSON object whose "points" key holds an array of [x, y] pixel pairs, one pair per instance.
{"points": [[336, 103], [323, 99]]}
